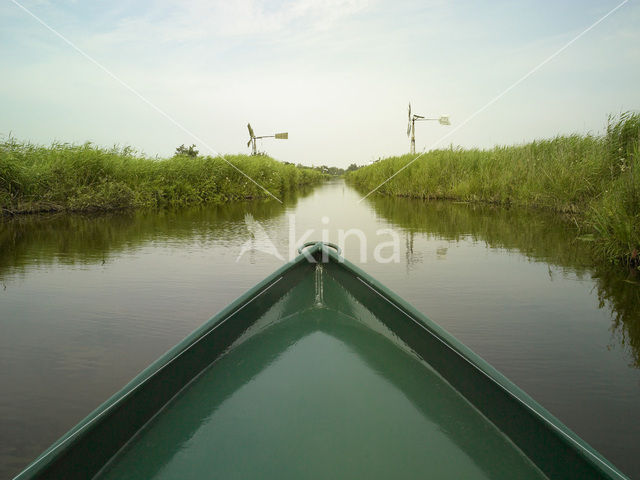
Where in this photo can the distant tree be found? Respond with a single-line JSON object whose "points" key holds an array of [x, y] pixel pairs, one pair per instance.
{"points": [[352, 167], [191, 151], [335, 171]]}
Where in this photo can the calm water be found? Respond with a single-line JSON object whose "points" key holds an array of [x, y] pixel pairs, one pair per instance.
{"points": [[88, 302]]}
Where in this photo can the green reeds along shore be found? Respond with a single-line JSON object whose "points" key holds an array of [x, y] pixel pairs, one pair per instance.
{"points": [[594, 178], [66, 177]]}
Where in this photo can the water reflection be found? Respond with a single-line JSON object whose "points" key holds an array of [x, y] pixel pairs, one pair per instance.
{"points": [[91, 300], [32, 241], [621, 294], [540, 236]]}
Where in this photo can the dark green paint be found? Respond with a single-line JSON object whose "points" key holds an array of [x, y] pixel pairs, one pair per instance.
{"points": [[319, 396], [454, 415]]}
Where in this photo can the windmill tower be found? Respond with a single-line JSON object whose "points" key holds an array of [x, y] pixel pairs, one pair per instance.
{"points": [[252, 138], [411, 126]]}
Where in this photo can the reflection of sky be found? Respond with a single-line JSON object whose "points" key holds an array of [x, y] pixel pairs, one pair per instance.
{"points": [[336, 75], [73, 333]]}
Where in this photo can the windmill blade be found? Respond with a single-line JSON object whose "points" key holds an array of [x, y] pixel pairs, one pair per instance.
{"points": [[409, 111], [250, 130], [409, 124], [249, 142]]}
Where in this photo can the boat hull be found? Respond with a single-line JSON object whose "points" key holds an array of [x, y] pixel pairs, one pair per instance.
{"points": [[320, 371]]}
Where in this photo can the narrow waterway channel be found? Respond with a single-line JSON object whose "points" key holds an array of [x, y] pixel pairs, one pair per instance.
{"points": [[86, 302]]}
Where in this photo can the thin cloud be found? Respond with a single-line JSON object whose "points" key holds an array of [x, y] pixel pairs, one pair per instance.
{"points": [[336, 75], [198, 20]]}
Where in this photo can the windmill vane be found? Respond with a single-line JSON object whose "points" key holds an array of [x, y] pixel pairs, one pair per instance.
{"points": [[253, 138], [411, 127]]}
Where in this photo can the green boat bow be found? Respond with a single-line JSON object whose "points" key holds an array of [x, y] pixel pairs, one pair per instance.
{"points": [[319, 371]]}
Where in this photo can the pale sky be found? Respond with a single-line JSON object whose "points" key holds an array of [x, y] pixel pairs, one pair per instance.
{"points": [[337, 75]]}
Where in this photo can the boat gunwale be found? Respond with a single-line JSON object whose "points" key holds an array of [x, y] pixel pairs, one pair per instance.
{"points": [[590, 454], [73, 435], [320, 252]]}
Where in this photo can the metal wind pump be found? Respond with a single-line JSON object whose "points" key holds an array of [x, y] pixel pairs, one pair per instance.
{"points": [[411, 127], [252, 138]]}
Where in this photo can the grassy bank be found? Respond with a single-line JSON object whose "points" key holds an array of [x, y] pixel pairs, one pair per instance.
{"points": [[88, 178], [597, 179]]}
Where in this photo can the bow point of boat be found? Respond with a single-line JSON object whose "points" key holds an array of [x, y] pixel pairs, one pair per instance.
{"points": [[320, 372]]}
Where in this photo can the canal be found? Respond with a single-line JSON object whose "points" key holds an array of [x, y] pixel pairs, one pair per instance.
{"points": [[86, 302]]}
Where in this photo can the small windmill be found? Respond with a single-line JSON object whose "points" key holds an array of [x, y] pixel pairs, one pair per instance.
{"points": [[411, 127], [253, 138]]}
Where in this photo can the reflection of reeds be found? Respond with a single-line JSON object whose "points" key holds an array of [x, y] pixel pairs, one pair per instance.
{"points": [[593, 177], [30, 240], [89, 178], [539, 235], [622, 296]]}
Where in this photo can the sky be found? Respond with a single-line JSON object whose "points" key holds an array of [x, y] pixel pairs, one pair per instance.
{"points": [[336, 74]]}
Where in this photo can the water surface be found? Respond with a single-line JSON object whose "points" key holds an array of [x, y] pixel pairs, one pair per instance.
{"points": [[88, 302]]}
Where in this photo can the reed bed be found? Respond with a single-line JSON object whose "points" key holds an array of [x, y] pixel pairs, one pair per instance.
{"points": [[64, 177], [593, 178]]}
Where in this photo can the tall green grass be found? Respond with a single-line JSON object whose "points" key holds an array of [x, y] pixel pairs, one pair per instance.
{"points": [[89, 178], [595, 178]]}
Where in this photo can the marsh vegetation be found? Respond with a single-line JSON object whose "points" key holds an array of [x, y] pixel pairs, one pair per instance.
{"points": [[82, 178], [593, 179]]}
